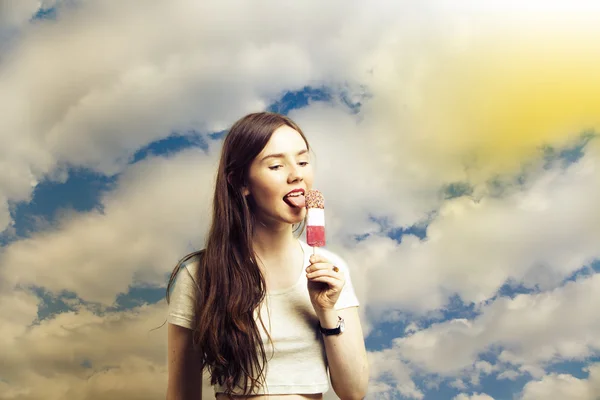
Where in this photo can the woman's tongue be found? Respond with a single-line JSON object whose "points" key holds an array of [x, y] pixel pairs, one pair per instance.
{"points": [[295, 201]]}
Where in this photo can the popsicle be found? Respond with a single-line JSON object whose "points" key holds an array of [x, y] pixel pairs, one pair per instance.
{"points": [[315, 219]]}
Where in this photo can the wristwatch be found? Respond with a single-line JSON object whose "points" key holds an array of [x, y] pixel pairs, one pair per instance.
{"points": [[335, 331]]}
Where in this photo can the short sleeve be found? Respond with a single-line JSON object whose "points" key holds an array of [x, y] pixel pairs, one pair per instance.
{"points": [[182, 298], [347, 297]]}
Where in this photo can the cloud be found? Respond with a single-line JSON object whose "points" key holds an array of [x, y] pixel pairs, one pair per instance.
{"points": [[157, 207], [18, 309], [15, 13], [564, 386], [391, 376], [537, 235], [80, 355], [529, 332], [475, 396], [466, 93]]}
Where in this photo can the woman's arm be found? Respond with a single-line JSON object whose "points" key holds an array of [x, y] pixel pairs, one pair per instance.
{"points": [[185, 374], [346, 354]]}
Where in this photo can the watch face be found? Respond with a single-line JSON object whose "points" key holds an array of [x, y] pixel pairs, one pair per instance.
{"points": [[341, 326]]}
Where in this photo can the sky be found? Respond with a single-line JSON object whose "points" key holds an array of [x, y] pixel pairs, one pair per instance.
{"points": [[456, 143]]}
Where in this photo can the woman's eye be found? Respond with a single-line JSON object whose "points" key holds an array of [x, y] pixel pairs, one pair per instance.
{"points": [[276, 167]]}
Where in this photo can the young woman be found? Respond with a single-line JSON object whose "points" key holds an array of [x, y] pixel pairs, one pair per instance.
{"points": [[256, 309]]}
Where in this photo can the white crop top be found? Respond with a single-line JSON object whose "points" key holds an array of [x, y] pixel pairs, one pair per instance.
{"points": [[299, 362]]}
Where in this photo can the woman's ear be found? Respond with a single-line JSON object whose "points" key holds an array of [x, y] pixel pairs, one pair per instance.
{"points": [[245, 191]]}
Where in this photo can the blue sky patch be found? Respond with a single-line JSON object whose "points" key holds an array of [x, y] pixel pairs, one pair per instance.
{"points": [[583, 272], [301, 98], [45, 13], [569, 154], [80, 192], [172, 144], [457, 189], [52, 304]]}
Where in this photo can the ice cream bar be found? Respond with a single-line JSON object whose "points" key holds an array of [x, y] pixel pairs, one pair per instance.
{"points": [[315, 219]]}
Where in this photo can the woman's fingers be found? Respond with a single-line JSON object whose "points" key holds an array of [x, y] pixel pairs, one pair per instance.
{"points": [[331, 281], [316, 258], [322, 266], [325, 272]]}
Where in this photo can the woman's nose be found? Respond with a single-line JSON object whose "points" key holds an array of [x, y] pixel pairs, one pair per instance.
{"points": [[295, 174]]}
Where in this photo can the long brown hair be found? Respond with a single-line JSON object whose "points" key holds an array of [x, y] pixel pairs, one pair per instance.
{"points": [[231, 286]]}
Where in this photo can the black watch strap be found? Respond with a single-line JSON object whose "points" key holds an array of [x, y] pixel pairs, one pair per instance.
{"points": [[335, 331]]}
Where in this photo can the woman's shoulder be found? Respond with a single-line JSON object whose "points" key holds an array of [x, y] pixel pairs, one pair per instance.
{"points": [[191, 261]]}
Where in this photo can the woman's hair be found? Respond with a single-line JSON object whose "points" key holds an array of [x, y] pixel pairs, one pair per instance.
{"points": [[230, 284]]}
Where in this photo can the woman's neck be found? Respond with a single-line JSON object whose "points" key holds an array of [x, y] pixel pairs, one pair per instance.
{"points": [[273, 244]]}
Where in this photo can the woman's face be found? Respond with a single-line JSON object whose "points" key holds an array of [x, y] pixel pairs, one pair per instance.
{"points": [[282, 166]]}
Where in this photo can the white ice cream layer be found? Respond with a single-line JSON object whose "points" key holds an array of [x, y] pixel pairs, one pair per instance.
{"points": [[315, 217]]}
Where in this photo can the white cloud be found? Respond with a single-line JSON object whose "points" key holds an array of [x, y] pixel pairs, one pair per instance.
{"points": [[475, 396], [18, 309], [458, 384], [535, 235], [125, 358], [533, 331], [158, 206], [564, 386], [390, 375], [14, 13], [509, 374]]}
